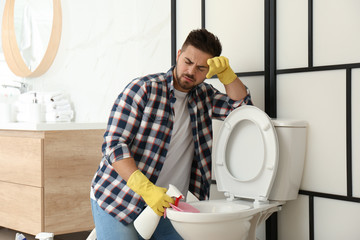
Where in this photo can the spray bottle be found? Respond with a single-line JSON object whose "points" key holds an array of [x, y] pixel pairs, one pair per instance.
{"points": [[146, 223]]}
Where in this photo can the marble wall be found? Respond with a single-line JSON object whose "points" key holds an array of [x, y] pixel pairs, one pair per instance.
{"points": [[103, 46]]}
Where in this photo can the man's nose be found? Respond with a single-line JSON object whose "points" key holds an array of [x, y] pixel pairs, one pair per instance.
{"points": [[192, 70]]}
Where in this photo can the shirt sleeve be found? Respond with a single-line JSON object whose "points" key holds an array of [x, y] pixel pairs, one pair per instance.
{"points": [[124, 121], [223, 105]]}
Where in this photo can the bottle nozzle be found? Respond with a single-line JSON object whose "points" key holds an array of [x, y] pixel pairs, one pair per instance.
{"points": [[174, 192]]}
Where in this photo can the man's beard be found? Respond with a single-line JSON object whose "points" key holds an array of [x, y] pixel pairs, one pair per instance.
{"points": [[184, 84]]}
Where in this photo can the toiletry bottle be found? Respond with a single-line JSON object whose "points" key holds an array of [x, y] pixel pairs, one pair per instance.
{"points": [[35, 110], [20, 236]]}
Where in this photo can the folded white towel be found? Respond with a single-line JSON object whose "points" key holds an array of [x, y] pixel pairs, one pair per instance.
{"points": [[54, 118], [58, 113], [57, 108], [54, 115], [61, 105], [53, 96]]}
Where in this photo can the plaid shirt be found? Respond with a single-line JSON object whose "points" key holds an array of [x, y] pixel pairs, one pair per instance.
{"points": [[140, 126]]}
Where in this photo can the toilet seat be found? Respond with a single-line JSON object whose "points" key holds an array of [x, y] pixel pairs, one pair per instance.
{"points": [[246, 154]]}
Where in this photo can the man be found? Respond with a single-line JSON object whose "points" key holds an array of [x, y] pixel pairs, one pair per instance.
{"points": [[160, 133]]}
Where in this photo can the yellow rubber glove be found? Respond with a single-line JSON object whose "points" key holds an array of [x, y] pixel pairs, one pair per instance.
{"points": [[154, 196], [220, 66]]}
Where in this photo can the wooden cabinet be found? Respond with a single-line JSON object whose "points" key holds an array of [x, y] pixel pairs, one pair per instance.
{"points": [[45, 179]]}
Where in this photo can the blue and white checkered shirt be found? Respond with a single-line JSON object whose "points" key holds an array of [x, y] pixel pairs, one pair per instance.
{"points": [[140, 126]]}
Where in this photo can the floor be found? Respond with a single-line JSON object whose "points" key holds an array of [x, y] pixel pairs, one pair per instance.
{"points": [[7, 234]]}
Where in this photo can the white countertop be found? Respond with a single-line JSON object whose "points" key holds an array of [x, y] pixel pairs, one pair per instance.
{"points": [[49, 126]]}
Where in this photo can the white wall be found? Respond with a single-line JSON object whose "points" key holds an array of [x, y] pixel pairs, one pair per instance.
{"points": [[105, 44]]}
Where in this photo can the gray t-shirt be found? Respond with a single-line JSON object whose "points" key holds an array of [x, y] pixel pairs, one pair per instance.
{"points": [[177, 166]]}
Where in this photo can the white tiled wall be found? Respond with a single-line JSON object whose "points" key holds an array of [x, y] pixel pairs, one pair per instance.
{"points": [[188, 17], [293, 219], [336, 219], [292, 34], [336, 38], [318, 98], [240, 27]]}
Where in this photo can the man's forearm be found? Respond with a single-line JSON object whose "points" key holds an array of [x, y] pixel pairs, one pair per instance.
{"points": [[125, 167], [236, 90]]}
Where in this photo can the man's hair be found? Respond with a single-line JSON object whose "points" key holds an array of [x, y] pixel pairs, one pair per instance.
{"points": [[203, 40]]}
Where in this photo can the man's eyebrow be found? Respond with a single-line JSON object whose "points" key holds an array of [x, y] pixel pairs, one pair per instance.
{"points": [[187, 59], [199, 66]]}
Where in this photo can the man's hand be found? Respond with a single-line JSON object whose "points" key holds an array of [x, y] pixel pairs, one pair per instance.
{"points": [[220, 66], [154, 196]]}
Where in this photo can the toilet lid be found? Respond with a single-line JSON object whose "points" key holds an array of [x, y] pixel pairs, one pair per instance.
{"points": [[246, 154]]}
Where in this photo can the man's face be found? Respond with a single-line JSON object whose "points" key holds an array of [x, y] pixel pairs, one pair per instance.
{"points": [[191, 68]]}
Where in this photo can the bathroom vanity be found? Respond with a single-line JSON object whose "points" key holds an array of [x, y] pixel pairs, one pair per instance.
{"points": [[45, 175]]}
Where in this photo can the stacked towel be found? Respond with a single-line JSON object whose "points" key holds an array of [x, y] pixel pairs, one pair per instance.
{"points": [[57, 107], [54, 107]]}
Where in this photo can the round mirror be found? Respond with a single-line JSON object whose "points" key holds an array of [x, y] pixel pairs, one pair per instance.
{"points": [[25, 52]]}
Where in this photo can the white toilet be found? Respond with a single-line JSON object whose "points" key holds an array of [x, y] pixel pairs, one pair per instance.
{"points": [[258, 165]]}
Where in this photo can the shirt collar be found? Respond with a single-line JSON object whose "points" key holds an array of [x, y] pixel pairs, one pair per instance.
{"points": [[170, 82]]}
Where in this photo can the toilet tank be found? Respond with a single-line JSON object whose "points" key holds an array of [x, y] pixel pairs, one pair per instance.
{"points": [[292, 149]]}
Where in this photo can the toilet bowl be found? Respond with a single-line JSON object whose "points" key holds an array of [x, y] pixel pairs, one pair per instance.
{"points": [[258, 165]]}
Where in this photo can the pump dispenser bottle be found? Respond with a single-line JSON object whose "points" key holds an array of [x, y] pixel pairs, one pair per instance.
{"points": [[35, 110]]}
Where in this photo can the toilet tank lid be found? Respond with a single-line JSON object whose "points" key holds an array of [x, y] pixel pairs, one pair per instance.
{"points": [[281, 122]]}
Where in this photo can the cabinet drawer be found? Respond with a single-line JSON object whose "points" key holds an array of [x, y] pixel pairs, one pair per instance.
{"points": [[21, 160], [20, 207]]}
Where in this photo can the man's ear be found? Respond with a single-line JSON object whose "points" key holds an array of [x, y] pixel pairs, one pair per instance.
{"points": [[178, 54]]}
